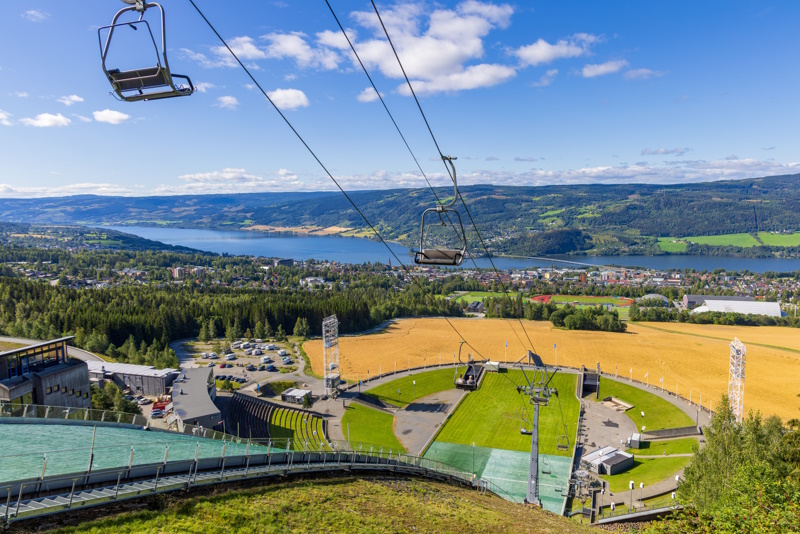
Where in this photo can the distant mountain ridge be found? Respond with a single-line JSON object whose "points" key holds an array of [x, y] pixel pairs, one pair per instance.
{"points": [[616, 216]]}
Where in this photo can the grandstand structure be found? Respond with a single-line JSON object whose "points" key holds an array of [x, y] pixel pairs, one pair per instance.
{"points": [[287, 427]]}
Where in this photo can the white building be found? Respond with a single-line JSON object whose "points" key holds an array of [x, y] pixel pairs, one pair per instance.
{"points": [[771, 309]]}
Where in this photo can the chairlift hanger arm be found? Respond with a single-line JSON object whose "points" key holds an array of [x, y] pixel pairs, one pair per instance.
{"points": [[449, 160]]}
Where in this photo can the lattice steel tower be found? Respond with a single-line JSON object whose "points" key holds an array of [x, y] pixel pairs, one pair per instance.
{"points": [[330, 354], [736, 378]]}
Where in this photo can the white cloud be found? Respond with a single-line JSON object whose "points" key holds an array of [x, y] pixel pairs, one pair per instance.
{"points": [[46, 120], [209, 63], [601, 69], [20, 94], [203, 87], [665, 151], [547, 78], [34, 15], [496, 14], [81, 118], [70, 99], [542, 52], [473, 77], [368, 95], [5, 118], [641, 74], [289, 98], [294, 46], [227, 102], [109, 116], [244, 47]]}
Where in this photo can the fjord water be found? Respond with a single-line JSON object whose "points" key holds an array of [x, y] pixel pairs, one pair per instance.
{"points": [[358, 250]]}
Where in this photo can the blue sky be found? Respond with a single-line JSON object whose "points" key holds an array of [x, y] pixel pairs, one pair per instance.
{"points": [[525, 93]]}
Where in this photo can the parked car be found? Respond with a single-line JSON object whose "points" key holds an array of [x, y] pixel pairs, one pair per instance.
{"points": [[282, 353], [251, 367], [211, 364], [271, 368], [259, 340], [262, 367], [143, 401], [230, 356], [287, 361], [157, 413], [212, 356], [266, 359]]}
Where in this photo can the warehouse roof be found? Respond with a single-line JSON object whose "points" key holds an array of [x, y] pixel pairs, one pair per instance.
{"points": [[773, 309], [129, 369]]}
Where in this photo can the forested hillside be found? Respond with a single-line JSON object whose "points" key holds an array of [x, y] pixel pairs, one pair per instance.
{"points": [[619, 218]]}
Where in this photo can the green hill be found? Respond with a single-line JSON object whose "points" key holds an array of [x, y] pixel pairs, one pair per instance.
{"points": [[351, 504]]}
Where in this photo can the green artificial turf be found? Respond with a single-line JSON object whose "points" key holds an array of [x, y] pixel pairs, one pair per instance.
{"points": [[647, 470], [402, 391], [362, 425], [493, 415], [658, 413]]}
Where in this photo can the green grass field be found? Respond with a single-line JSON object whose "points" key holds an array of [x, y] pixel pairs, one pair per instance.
{"points": [[303, 429], [478, 296], [426, 383], [647, 470], [366, 425], [667, 245], [582, 299], [658, 413], [659, 448], [780, 240], [345, 504], [736, 240], [492, 416], [4, 346]]}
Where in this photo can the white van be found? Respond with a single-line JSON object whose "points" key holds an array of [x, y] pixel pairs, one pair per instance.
{"points": [[212, 355], [282, 353]]}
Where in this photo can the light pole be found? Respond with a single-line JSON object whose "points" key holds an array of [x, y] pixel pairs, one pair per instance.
{"points": [[630, 485], [641, 490], [415, 388], [642, 421], [473, 460]]}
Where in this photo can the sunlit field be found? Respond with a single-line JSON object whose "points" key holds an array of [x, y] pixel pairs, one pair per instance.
{"points": [[694, 358]]}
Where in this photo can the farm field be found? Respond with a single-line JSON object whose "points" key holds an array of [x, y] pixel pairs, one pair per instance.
{"points": [[4, 346], [658, 413], [493, 415], [690, 356], [427, 382], [367, 425], [735, 240], [671, 244], [647, 470], [780, 240]]}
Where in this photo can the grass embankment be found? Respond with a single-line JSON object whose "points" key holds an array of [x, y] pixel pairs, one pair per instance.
{"points": [[493, 415], [402, 391], [339, 505], [671, 244], [658, 413], [665, 448], [369, 426], [693, 356], [4, 346], [647, 470]]}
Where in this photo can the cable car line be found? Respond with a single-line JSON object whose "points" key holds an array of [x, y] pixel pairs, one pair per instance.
{"points": [[324, 168], [433, 137], [397, 127]]}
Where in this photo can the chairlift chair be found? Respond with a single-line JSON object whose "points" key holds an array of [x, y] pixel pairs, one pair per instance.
{"points": [[149, 83], [433, 255], [469, 380]]}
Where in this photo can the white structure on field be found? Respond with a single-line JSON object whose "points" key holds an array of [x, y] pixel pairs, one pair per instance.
{"points": [[736, 378], [330, 354]]}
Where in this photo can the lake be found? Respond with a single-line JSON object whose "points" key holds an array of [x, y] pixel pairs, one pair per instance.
{"points": [[358, 250]]}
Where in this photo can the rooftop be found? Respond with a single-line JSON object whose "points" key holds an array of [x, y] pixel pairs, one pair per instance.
{"points": [[190, 398], [128, 369], [36, 346]]}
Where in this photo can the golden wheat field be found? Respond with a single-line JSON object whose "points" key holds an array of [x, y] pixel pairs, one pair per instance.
{"points": [[687, 356]]}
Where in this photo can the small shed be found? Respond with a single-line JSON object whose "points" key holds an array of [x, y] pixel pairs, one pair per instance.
{"points": [[296, 396]]}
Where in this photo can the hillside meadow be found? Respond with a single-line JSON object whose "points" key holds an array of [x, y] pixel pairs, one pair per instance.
{"points": [[693, 357]]}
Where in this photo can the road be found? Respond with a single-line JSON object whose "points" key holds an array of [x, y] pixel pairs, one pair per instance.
{"points": [[74, 352]]}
